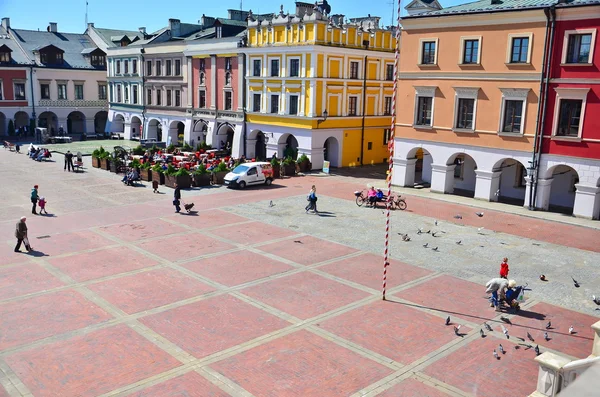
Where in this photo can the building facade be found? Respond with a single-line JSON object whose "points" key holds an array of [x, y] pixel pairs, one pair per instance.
{"points": [[318, 85]]}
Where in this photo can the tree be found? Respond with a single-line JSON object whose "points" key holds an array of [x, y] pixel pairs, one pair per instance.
{"points": [[11, 128]]}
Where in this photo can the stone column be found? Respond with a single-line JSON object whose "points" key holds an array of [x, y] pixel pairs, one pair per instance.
{"points": [[127, 130], [210, 133], [487, 184], [404, 172], [187, 131], [548, 384], [213, 81], [240, 86], [190, 80], [542, 199], [251, 148], [316, 155], [442, 178], [528, 187], [587, 201], [275, 149], [237, 148]]}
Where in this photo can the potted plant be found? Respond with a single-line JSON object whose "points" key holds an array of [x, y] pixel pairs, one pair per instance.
{"points": [[220, 171], [276, 164], [158, 174], [154, 149], [201, 177], [116, 165], [187, 148], [304, 163], [170, 148], [146, 172], [170, 178], [96, 157], [105, 160], [289, 166], [183, 178], [135, 163], [139, 150]]}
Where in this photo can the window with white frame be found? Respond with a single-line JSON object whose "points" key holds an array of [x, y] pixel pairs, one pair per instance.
{"points": [[465, 105], [126, 66], [256, 67], [389, 72], [119, 95], [45, 90], [126, 91], [294, 68], [62, 91], [293, 105], [424, 97], [519, 48], [256, 102], [178, 67], [512, 112], [168, 68], [134, 66], [149, 68], [470, 50], [177, 98], [228, 99], [2, 92], [158, 68], [387, 105], [569, 112], [352, 105], [274, 104], [79, 91], [202, 99], [354, 69], [428, 51], [149, 96], [134, 94], [159, 97], [386, 136], [578, 46], [274, 65], [118, 67], [169, 99], [19, 91]]}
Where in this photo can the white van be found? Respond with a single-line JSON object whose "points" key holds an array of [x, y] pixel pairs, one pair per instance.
{"points": [[247, 174]]}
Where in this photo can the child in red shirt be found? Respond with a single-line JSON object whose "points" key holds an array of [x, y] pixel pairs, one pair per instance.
{"points": [[504, 268]]}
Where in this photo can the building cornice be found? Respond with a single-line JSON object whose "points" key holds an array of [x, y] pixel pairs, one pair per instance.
{"points": [[469, 76], [511, 18], [316, 48]]}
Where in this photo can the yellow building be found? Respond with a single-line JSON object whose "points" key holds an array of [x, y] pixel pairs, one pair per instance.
{"points": [[320, 86]]}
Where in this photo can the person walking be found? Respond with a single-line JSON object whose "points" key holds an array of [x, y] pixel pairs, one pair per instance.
{"points": [[312, 200], [21, 235], [42, 202], [34, 199], [177, 198], [504, 268], [69, 160]]}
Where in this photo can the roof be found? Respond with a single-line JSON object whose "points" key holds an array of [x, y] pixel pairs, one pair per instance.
{"points": [[501, 5], [17, 56], [107, 35], [232, 22], [71, 43]]}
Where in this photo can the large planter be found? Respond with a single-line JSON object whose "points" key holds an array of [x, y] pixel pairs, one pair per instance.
{"points": [[276, 171], [95, 162], [183, 181], [201, 179], [158, 176], [305, 166], [289, 169], [105, 164], [146, 175], [220, 177]]}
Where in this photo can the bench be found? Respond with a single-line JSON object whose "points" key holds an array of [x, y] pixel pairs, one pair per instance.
{"points": [[9, 146]]}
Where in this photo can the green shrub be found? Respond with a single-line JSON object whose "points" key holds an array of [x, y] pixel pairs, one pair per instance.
{"points": [[182, 172], [288, 161], [139, 150], [222, 167], [302, 159], [146, 165], [203, 146], [186, 147], [135, 163], [201, 170], [170, 170], [289, 152], [275, 162], [157, 167], [170, 148], [154, 149]]}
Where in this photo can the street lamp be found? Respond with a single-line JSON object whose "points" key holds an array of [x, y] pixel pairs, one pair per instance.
{"points": [[324, 115]]}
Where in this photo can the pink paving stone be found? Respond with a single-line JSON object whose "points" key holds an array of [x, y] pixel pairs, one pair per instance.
{"points": [[58, 244], [140, 230], [367, 269], [393, 330], [90, 364], [147, 290], [535, 318], [25, 279], [473, 369], [102, 263], [301, 364], [47, 315], [453, 296], [185, 247], [237, 267], [412, 388], [189, 385], [252, 233], [304, 295], [309, 251], [209, 326], [209, 218]]}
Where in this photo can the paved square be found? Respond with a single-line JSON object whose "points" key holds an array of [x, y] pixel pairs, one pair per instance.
{"points": [[150, 289], [208, 326], [142, 230], [43, 316], [25, 279], [237, 267], [252, 233], [90, 364], [191, 384], [69, 242], [412, 388], [185, 247], [304, 295], [403, 334], [301, 364], [307, 250], [473, 369], [207, 218], [101, 263], [367, 270]]}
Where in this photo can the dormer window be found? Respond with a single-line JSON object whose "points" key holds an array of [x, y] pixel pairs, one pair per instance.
{"points": [[5, 54], [219, 32], [51, 55], [98, 60]]}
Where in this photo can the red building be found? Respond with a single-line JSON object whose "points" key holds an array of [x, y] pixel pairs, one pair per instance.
{"points": [[568, 164]]}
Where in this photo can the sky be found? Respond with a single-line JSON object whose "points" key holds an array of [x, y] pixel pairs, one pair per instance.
{"points": [[154, 14]]}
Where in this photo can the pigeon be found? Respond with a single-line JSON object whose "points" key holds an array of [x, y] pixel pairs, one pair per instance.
{"points": [[575, 283], [530, 337], [519, 338], [487, 326], [457, 216], [404, 237], [480, 229], [457, 329], [571, 329], [481, 333], [596, 300], [435, 223], [419, 231], [505, 319], [496, 355], [435, 249], [459, 242], [428, 232], [505, 331], [542, 277], [546, 337], [479, 214], [425, 245], [501, 348], [271, 203], [537, 350], [549, 325], [433, 234], [298, 241], [448, 320]]}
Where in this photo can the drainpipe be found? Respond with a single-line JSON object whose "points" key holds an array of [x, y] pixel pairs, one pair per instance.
{"points": [[244, 89], [364, 107], [32, 97], [540, 126], [143, 71]]}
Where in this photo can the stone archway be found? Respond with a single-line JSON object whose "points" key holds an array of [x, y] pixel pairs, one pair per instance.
{"points": [[512, 184], [331, 151], [422, 166], [225, 135], [136, 124], [50, 121], [199, 132], [176, 132], [118, 123], [100, 122], [75, 123], [562, 189], [289, 145], [154, 130], [21, 120], [464, 177]]}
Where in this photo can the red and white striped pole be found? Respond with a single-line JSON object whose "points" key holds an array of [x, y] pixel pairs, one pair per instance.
{"points": [[386, 252]]}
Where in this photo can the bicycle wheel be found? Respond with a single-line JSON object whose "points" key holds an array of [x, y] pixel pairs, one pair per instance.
{"points": [[401, 204], [360, 200]]}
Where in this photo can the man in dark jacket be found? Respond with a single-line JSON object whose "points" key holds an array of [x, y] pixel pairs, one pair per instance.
{"points": [[21, 235], [34, 199], [177, 198], [69, 160]]}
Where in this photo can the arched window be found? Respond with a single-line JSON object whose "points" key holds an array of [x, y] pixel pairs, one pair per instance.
{"points": [[228, 79], [202, 78]]}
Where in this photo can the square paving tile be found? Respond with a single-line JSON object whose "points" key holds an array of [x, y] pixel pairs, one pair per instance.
{"points": [[64, 243], [91, 364], [392, 330], [208, 219], [25, 279], [183, 247], [252, 233], [209, 326], [141, 230], [191, 384], [307, 250], [102, 263], [304, 295], [237, 267], [147, 290], [452, 295], [47, 315], [473, 369], [536, 317], [367, 269], [301, 364], [412, 388]]}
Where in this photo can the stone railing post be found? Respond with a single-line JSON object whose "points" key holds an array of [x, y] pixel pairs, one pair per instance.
{"points": [[549, 382]]}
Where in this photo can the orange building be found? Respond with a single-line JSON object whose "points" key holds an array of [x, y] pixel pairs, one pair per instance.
{"points": [[467, 105]]}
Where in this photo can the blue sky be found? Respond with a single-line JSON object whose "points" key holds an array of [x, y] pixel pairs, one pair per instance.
{"points": [[154, 14]]}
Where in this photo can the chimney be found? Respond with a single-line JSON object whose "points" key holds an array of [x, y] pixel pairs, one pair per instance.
{"points": [[53, 27], [175, 27], [237, 15], [142, 30], [90, 25], [207, 21], [6, 23]]}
